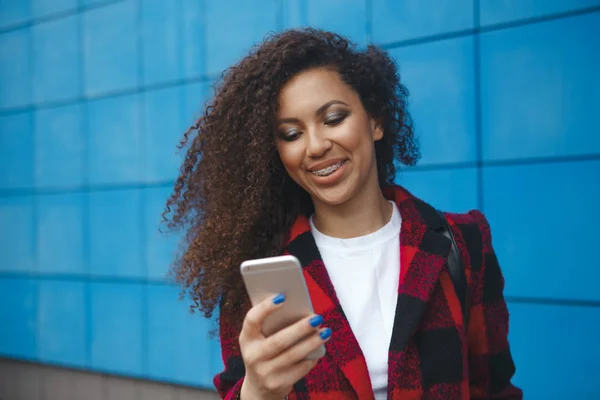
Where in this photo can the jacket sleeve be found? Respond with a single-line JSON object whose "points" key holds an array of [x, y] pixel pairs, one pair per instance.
{"points": [[229, 382], [491, 365]]}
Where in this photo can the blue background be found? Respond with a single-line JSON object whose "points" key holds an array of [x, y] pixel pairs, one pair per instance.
{"points": [[94, 96]]}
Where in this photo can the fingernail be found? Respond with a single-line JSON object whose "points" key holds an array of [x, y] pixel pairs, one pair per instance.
{"points": [[316, 321], [280, 298], [325, 333]]}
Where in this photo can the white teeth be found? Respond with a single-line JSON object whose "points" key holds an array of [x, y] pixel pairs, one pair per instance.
{"points": [[329, 170]]}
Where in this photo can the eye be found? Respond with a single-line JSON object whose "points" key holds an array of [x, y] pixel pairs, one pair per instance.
{"points": [[335, 119], [290, 135]]}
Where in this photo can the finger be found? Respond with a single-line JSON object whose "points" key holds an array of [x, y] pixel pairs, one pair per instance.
{"points": [[255, 317], [300, 351], [289, 336]]}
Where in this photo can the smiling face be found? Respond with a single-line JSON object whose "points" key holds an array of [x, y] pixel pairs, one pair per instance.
{"points": [[325, 138]]}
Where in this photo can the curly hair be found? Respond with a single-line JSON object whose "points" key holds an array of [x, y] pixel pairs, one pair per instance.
{"points": [[233, 197]]}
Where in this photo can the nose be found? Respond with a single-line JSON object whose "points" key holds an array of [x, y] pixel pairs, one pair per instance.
{"points": [[317, 143]]}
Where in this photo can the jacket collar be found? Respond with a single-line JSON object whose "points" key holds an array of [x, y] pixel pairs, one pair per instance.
{"points": [[423, 253]]}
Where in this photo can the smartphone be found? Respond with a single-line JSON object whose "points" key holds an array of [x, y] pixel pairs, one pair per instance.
{"points": [[268, 277]]}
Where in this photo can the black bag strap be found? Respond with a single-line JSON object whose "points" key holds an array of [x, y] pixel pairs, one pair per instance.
{"points": [[456, 270]]}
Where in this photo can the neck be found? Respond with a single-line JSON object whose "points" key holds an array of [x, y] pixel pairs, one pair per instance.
{"points": [[365, 213]]}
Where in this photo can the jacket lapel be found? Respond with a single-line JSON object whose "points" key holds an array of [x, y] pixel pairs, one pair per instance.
{"points": [[343, 347], [423, 254]]}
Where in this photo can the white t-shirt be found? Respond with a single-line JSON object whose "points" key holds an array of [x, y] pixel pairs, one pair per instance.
{"points": [[365, 271]]}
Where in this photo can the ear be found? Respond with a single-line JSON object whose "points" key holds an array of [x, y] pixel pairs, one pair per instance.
{"points": [[377, 130]]}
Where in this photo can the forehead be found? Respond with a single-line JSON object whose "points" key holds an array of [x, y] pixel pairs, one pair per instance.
{"points": [[313, 88]]}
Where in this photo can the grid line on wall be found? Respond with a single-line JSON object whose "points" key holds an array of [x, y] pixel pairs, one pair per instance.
{"points": [[79, 9], [477, 105], [140, 109], [34, 205], [279, 15], [120, 280], [369, 21], [488, 28], [86, 188], [109, 95], [82, 277], [86, 217]]}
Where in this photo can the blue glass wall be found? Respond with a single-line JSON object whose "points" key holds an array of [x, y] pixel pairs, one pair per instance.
{"points": [[95, 94]]}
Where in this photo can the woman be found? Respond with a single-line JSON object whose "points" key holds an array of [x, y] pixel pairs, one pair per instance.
{"points": [[297, 154]]}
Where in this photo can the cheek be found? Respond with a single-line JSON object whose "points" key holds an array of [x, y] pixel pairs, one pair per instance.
{"points": [[290, 156], [356, 138]]}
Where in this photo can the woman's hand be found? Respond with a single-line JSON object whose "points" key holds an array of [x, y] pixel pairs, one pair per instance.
{"points": [[275, 364]]}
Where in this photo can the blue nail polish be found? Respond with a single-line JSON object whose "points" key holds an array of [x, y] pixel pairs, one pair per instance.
{"points": [[325, 333], [316, 321], [280, 298]]}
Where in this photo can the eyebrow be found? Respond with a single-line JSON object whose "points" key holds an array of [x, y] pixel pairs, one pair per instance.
{"points": [[319, 111]]}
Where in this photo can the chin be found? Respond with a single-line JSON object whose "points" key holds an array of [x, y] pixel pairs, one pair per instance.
{"points": [[332, 196]]}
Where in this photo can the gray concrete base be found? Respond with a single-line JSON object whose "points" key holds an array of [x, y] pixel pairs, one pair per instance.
{"points": [[27, 381]]}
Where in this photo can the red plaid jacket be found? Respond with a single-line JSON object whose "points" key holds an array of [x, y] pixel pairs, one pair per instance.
{"points": [[431, 354]]}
